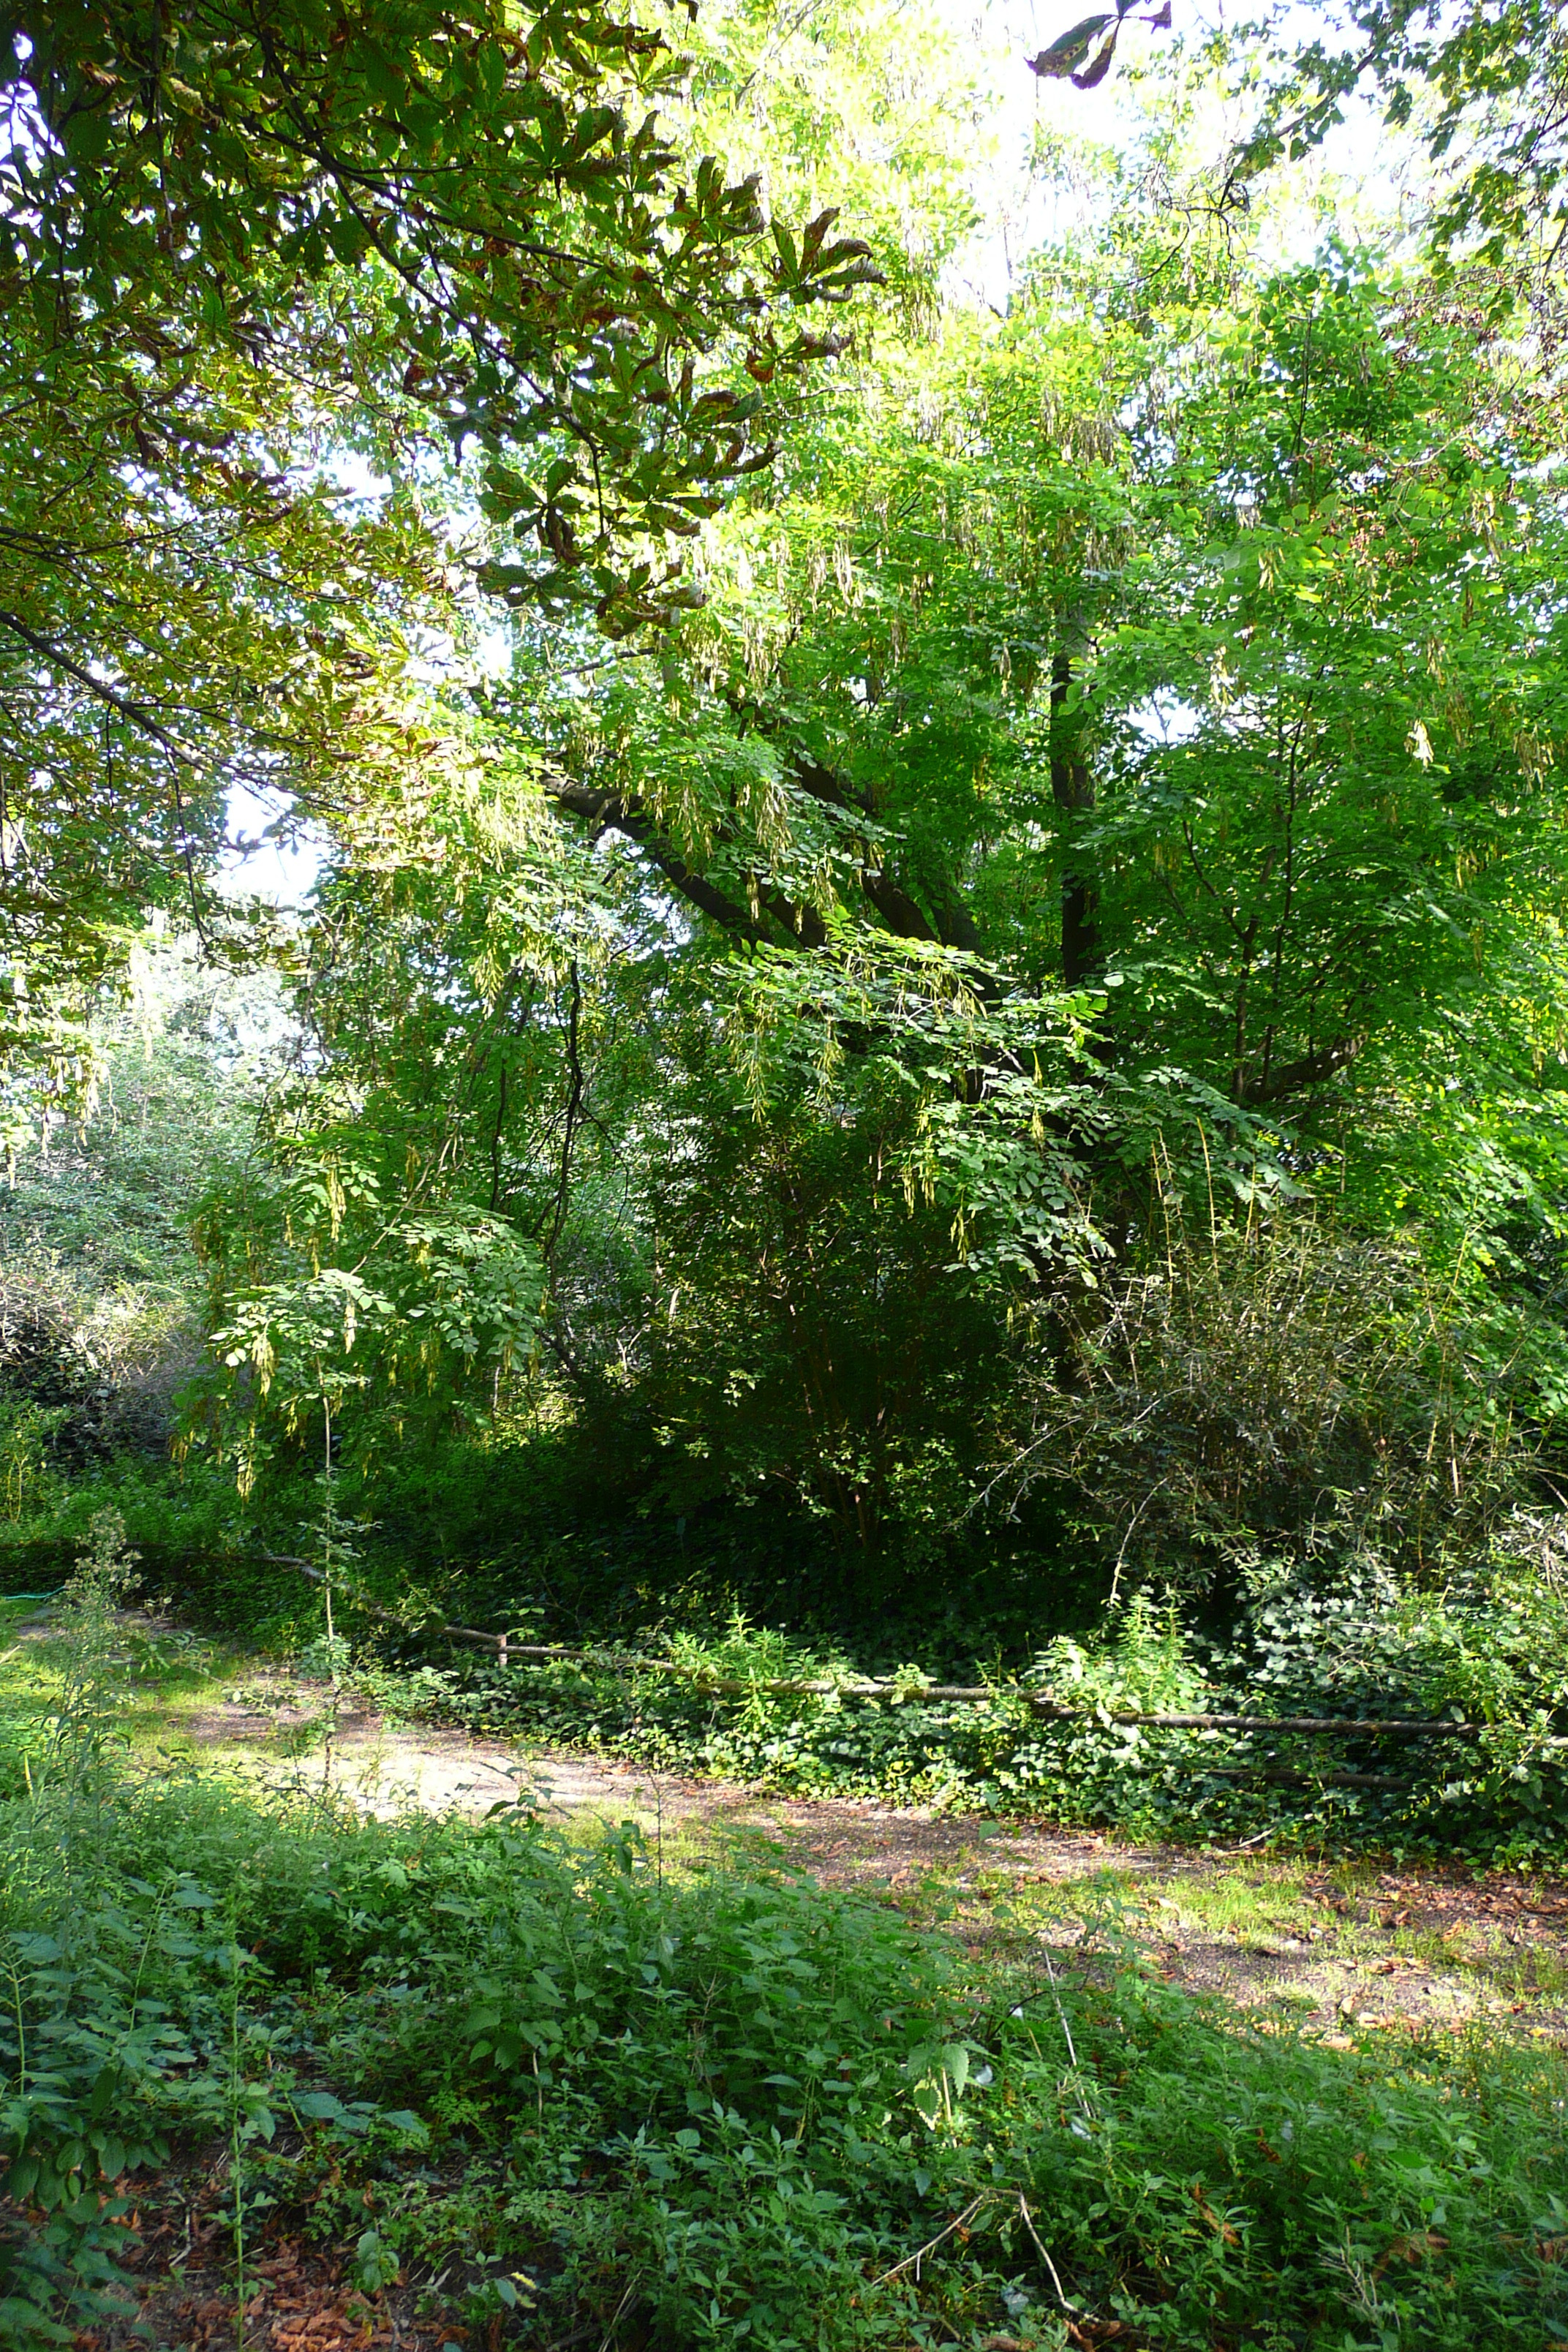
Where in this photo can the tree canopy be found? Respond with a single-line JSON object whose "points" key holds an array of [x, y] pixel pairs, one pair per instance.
{"points": [[509, 245], [842, 815]]}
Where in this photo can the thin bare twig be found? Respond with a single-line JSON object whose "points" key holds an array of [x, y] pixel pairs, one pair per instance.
{"points": [[615, 2321], [915, 2260], [1072, 2309], [1055, 1996]]}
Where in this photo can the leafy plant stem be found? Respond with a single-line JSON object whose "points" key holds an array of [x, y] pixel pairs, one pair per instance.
{"points": [[235, 2132]]}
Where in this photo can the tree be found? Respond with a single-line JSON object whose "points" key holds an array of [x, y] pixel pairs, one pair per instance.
{"points": [[476, 977], [1204, 652], [470, 219], [1484, 85], [1237, 625], [383, 1260], [1104, 764], [241, 253], [180, 613]]}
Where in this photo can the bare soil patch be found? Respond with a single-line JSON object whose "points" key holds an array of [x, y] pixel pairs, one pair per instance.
{"points": [[179, 2256], [1335, 1947]]}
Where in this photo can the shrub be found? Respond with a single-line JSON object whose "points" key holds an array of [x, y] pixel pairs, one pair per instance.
{"points": [[1280, 1389]]}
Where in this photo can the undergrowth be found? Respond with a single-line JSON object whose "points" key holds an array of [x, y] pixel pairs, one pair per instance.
{"points": [[1497, 1663], [565, 2089], [748, 1603]]}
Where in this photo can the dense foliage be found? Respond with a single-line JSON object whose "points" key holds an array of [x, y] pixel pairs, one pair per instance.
{"points": [[926, 1034], [569, 2083]]}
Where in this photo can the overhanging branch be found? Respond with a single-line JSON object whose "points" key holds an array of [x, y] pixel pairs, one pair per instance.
{"points": [[802, 923], [135, 712], [607, 809]]}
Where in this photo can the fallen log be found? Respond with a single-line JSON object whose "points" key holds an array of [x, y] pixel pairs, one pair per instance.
{"points": [[1298, 1779], [972, 1694]]}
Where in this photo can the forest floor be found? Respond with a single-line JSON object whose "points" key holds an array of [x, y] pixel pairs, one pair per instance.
{"points": [[1334, 1946], [1330, 1949]]}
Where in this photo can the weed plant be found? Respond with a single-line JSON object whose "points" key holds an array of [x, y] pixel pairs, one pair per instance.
{"points": [[561, 2088]]}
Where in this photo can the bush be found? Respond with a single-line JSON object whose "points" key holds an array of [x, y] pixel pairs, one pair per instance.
{"points": [[1277, 1389], [84, 1372]]}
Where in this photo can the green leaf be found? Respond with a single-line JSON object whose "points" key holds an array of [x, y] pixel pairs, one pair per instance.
{"points": [[1068, 50]]}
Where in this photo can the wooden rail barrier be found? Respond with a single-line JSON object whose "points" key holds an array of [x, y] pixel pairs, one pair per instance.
{"points": [[1042, 1702]]}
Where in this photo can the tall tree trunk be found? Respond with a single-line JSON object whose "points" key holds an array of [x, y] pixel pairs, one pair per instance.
{"points": [[1072, 790]]}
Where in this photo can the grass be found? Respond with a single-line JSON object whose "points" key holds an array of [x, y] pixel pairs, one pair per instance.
{"points": [[733, 2107], [168, 1678], [176, 1696], [669, 2095]]}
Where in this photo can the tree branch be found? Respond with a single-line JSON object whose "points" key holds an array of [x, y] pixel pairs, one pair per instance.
{"points": [[134, 712], [803, 924], [608, 810], [1307, 1070], [899, 910]]}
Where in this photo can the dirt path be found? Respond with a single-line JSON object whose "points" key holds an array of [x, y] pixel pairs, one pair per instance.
{"points": [[1332, 1947]]}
